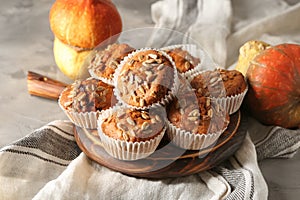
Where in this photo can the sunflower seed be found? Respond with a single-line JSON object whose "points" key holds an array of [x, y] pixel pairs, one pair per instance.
{"points": [[142, 102], [147, 131], [142, 90], [81, 96], [109, 119], [125, 136], [160, 67], [135, 128], [141, 57], [207, 103], [212, 80], [181, 111], [95, 95], [153, 120], [138, 79], [73, 92], [130, 121], [100, 88], [157, 117], [199, 90], [122, 126], [148, 73], [135, 99], [210, 112], [113, 64], [70, 96], [193, 118], [147, 65], [187, 65], [159, 61], [90, 88], [153, 56], [150, 61], [145, 125], [218, 82], [104, 92], [124, 73], [131, 62], [68, 103], [145, 115], [132, 133], [146, 85], [83, 103], [194, 113]]}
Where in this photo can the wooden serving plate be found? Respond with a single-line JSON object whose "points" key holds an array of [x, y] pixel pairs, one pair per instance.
{"points": [[168, 160]]}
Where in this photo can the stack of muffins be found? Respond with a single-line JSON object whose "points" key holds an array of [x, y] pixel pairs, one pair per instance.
{"points": [[135, 96]]}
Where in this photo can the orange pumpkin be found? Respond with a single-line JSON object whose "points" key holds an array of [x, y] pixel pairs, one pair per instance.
{"points": [[84, 23], [274, 86]]}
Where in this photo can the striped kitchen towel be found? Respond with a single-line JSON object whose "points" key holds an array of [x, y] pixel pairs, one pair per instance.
{"points": [[47, 164]]}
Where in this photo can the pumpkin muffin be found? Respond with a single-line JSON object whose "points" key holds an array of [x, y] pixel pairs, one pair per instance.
{"points": [[105, 62], [145, 78], [82, 101], [183, 60], [194, 122], [213, 83], [228, 87], [199, 117], [130, 134]]}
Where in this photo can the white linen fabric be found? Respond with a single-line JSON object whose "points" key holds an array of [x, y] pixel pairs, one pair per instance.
{"points": [[47, 164]]}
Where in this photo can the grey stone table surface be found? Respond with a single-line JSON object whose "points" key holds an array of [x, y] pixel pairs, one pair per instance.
{"points": [[26, 43]]}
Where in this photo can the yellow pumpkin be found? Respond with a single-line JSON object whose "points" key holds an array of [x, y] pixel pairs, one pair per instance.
{"points": [[248, 52], [70, 61]]}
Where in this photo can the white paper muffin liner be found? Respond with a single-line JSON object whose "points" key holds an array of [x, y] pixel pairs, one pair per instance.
{"points": [[124, 150], [191, 141], [230, 104], [82, 119], [164, 101], [195, 52], [103, 79]]}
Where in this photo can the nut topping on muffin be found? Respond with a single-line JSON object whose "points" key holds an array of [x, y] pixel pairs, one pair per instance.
{"points": [[145, 78], [133, 125], [195, 114], [87, 96], [219, 83], [105, 62], [184, 61]]}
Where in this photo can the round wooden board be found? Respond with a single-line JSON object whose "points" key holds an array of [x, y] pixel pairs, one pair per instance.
{"points": [[168, 160]]}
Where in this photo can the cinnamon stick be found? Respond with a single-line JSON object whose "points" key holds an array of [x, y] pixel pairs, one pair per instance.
{"points": [[43, 86]]}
